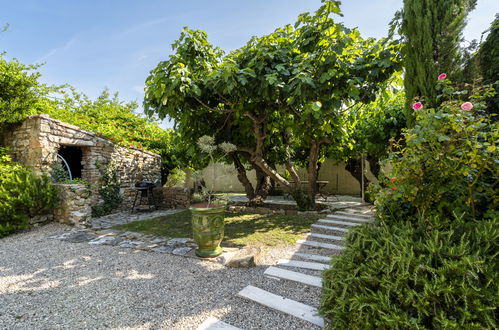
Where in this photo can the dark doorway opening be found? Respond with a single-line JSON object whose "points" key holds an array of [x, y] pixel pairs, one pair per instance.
{"points": [[74, 157]]}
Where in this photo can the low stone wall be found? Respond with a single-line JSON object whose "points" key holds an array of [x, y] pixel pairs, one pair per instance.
{"points": [[41, 219], [175, 198], [74, 205]]}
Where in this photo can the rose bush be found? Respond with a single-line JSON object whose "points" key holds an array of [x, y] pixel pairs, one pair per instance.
{"points": [[429, 260]]}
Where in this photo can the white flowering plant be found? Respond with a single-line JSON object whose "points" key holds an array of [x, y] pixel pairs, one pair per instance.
{"points": [[208, 146]]}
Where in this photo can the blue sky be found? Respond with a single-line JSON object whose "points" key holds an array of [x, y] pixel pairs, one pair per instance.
{"points": [[109, 43]]}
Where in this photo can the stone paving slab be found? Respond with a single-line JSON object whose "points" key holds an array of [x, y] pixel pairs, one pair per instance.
{"points": [[122, 218], [180, 246]]}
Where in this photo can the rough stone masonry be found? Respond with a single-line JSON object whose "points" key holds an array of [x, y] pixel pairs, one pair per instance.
{"points": [[36, 142]]}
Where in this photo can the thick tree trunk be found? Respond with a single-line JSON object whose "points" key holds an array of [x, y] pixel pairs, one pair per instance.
{"points": [[242, 177], [258, 161], [313, 169], [354, 167], [263, 186], [258, 194], [374, 165]]}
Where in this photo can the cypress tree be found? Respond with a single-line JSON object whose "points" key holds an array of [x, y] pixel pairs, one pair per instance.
{"points": [[433, 31], [489, 65]]}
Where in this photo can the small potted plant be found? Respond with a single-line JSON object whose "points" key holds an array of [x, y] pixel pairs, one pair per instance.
{"points": [[208, 217]]}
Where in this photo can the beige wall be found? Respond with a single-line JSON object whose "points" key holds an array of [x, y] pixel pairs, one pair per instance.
{"points": [[340, 180]]}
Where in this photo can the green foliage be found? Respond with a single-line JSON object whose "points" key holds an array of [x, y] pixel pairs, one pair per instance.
{"points": [[430, 258], [433, 274], [279, 97], [372, 126], [447, 165], [110, 118], [176, 178], [109, 190], [303, 202], [489, 65], [20, 91], [22, 195], [59, 172], [433, 33]]}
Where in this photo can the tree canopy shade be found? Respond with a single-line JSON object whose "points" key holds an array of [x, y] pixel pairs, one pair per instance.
{"points": [[280, 97], [432, 30]]}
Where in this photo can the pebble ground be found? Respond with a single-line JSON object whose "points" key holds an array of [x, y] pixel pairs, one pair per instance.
{"points": [[50, 284]]}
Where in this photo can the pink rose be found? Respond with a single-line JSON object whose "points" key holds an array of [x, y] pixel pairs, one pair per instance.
{"points": [[442, 76], [417, 105], [467, 106]]}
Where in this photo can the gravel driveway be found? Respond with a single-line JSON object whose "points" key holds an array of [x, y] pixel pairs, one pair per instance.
{"points": [[50, 284]]}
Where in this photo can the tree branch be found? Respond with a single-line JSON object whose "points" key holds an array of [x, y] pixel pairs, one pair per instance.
{"points": [[213, 109]]}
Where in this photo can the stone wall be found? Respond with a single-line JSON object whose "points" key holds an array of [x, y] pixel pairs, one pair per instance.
{"points": [[175, 197], [37, 140], [74, 206]]}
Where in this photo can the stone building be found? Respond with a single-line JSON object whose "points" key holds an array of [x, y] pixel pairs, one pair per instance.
{"points": [[37, 141]]}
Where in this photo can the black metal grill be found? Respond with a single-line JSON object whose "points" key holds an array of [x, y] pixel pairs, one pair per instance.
{"points": [[144, 193]]}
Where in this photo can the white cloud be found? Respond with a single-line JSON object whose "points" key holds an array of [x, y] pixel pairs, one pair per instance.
{"points": [[62, 48]]}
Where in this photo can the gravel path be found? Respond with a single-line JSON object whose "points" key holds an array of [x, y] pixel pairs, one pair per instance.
{"points": [[50, 284]]}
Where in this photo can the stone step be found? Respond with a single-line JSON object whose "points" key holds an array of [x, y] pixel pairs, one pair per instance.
{"points": [[294, 276], [341, 229], [358, 215], [302, 264], [321, 245], [331, 237], [337, 222], [347, 218], [285, 305], [312, 257], [212, 323]]}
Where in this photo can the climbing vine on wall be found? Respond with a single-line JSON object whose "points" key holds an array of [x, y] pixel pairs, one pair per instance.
{"points": [[109, 189]]}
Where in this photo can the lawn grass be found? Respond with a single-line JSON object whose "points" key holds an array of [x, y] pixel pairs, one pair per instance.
{"points": [[241, 229]]}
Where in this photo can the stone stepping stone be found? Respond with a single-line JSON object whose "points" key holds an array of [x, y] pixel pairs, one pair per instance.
{"points": [[347, 218], [336, 222], [294, 276], [302, 264], [358, 215], [279, 303], [181, 251], [321, 245], [312, 257], [345, 230], [77, 237], [212, 323], [331, 237]]}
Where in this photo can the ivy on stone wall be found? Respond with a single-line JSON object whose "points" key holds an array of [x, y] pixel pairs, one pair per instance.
{"points": [[109, 189]]}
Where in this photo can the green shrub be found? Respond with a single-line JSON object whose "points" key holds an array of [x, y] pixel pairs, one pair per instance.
{"points": [[430, 259], [109, 190], [176, 178], [432, 274], [447, 166], [23, 194]]}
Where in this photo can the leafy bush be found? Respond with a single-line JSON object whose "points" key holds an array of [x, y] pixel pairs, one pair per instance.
{"points": [[109, 190], [19, 90], [430, 259], [447, 166], [431, 274], [176, 178], [23, 194]]}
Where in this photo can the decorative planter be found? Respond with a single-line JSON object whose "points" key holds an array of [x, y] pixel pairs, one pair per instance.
{"points": [[208, 229]]}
